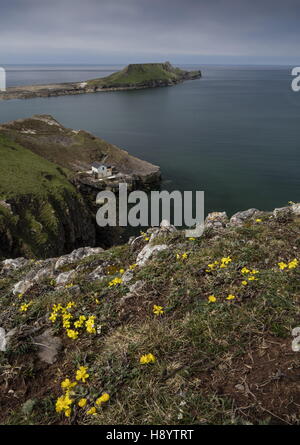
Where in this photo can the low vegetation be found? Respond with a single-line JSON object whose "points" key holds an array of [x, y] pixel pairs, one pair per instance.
{"points": [[205, 337]]}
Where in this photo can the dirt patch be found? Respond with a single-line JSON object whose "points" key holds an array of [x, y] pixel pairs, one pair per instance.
{"points": [[263, 384]]}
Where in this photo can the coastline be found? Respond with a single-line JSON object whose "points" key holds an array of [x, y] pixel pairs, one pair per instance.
{"points": [[72, 88]]}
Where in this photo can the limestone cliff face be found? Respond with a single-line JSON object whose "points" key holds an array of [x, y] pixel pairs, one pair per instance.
{"points": [[35, 227]]}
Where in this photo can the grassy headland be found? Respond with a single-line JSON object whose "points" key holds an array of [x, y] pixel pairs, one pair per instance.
{"points": [[143, 74]]}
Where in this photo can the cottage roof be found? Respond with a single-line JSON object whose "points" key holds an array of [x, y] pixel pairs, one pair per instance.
{"points": [[98, 165]]}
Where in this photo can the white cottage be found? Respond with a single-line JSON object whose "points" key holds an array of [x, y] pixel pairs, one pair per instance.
{"points": [[101, 170]]}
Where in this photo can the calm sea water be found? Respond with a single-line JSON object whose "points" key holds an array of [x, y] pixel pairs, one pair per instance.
{"points": [[235, 133]]}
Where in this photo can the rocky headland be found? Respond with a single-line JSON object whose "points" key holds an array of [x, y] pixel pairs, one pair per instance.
{"points": [[47, 192], [132, 77]]}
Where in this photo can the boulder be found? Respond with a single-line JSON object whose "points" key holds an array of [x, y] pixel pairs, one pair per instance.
{"points": [[134, 289], [283, 214], [97, 274], [5, 338], [14, 264], [127, 276], [65, 277], [22, 286], [240, 217], [216, 220], [164, 229], [3, 341], [147, 252], [48, 346], [296, 209], [77, 255]]}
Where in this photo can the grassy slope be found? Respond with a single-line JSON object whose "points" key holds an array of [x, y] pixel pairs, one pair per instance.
{"points": [[138, 74], [39, 191], [203, 350], [23, 172]]}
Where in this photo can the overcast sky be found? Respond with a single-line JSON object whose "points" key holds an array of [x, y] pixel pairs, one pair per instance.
{"points": [[123, 31]]}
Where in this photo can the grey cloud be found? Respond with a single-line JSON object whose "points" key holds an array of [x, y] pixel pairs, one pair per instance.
{"points": [[77, 30]]}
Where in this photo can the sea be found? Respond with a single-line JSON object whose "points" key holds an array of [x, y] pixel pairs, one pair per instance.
{"points": [[234, 133]]}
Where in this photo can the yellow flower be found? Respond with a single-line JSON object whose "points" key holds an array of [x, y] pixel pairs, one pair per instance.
{"points": [[245, 270], [192, 238], [68, 412], [80, 321], [230, 297], [258, 220], [133, 266], [82, 403], [57, 307], [115, 281], [225, 261], [104, 398], [24, 307], [60, 404], [244, 283], [67, 286], [20, 295], [183, 256], [53, 317], [212, 266], [66, 320], [148, 358], [72, 334], [63, 403], [90, 325], [92, 411], [293, 264], [282, 266], [252, 278], [212, 299], [67, 384], [121, 271], [158, 310], [81, 374]]}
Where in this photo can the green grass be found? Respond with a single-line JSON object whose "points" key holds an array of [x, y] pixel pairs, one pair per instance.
{"points": [[23, 172]]}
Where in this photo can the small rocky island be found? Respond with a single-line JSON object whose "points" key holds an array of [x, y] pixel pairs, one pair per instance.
{"points": [[132, 77]]}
